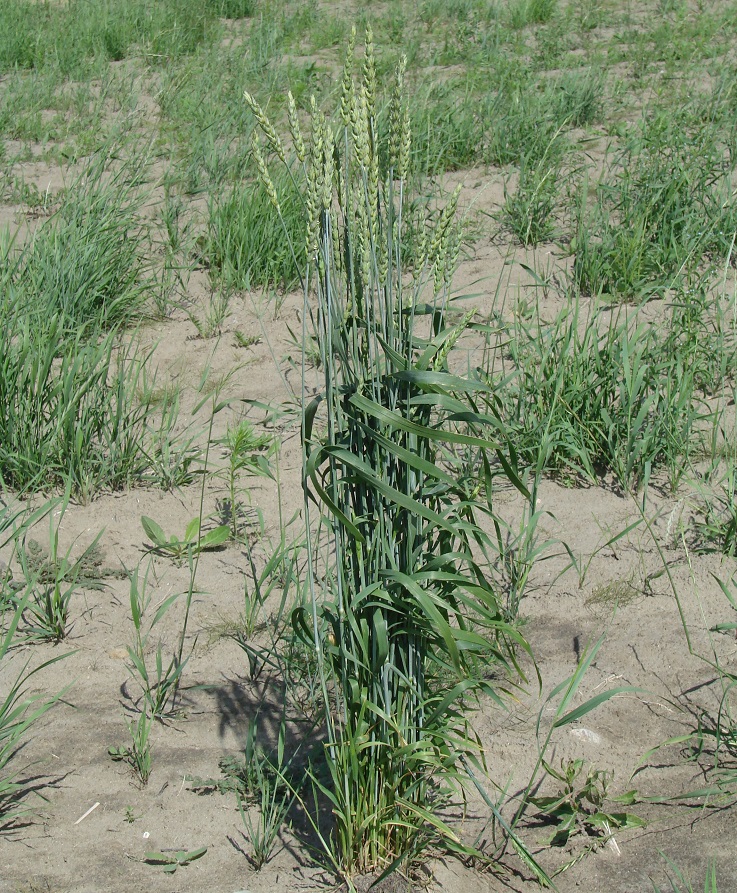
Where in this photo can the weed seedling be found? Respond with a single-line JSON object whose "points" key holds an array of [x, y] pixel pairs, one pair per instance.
{"points": [[528, 212], [130, 816], [678, 882], [246, 452], [245, 341], [138, 753], [54, 578], [211, 322], [18, 712], [159, 685], [169, 862], [579, 806], [191, 544], [275, 799], [718, 531]]}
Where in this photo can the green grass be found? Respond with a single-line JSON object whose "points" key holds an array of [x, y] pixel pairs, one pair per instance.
{"points": [[718, 529], [523, 13], [610, 394], [75, 395], [678, 880], [86, 265], [74, 36], [70, 411], [528, 211], [19, 709], [447, 131], [664, 207], [578, 99], [249, 245]]}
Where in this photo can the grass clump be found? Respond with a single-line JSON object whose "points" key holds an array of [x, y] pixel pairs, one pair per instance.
{"points": [[75, 404], [19, 709], [74, 36], [528, 211], [86, 265], [250, 245], [522, 128], [610, 394], [578, 98], [665, 207], [679, 882], [718, 529], [448, 131], [401, 612], [469, 28], [232, 9], [522, 13], [69, 411]]}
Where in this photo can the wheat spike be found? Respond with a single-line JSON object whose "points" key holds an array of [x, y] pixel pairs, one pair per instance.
{"points": [[263, 172], [294, 128], [272, 137]]}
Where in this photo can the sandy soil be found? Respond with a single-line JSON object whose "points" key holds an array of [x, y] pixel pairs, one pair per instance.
{"points": [[645, 648], [624, 595]]}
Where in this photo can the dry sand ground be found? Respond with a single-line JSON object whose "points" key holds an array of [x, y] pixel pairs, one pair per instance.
{"points": [[645, 647]]}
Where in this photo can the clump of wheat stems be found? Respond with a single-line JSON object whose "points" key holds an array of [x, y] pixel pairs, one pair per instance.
{"points": [[400, 610]]}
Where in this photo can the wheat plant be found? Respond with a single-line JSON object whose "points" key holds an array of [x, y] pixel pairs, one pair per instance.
{"points": [[399, 455]]}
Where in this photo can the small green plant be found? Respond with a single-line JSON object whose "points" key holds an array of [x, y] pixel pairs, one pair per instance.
{"points": [[245, 341], [279, 577], [306, 350], [56, 39], [69, 410], [678, 882], [159, 685], [718, 529], [448, 133], [605, 393], [192, 543], [170, 862], [177, 246], [523, 129], [578, 99], [528, 212], [716, 734], [576, 803], [246, 452], [138, 753], [666, 7], [518, 550], [581, 564], [130, 815], [664, 205], [171, 460], [54, 578], [274, 798], [210, 323], [85, 265], [579, 807], [261, 782], [531, 12], [18, 710], [74, 405], [246, 245]]}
